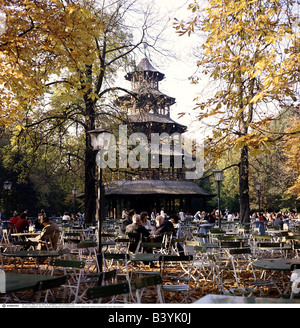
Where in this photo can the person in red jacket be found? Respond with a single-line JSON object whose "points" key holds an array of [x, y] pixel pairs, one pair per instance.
{"points": [[23, 223], [13, 221]]}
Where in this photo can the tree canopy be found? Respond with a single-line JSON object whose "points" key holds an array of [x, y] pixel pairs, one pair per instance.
{"points": [[251, 52]]}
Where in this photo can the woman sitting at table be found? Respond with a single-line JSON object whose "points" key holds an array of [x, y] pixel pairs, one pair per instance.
{"points": [[50, 229], [145, 221]]}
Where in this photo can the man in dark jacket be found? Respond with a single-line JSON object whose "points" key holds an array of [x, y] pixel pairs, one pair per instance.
{"points": [[127, 221], [162, 226], [136, 228]]}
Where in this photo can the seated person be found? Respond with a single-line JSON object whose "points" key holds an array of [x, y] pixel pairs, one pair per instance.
{"points": [[278, 221], [22, 223], [38, 225], [13, 221], [50, 228], [162, 226], [177, 232], [211, 219], [136, 227], [145, 221], [127, 221]]}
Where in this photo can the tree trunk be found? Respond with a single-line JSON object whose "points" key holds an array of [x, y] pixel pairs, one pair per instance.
{"points": [[90, 156], [244, 185], [90, 185]]}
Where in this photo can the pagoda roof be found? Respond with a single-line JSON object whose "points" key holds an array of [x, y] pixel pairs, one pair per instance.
{"points": [[146, 92], [145, 66], [145, 117], [153, 187]]}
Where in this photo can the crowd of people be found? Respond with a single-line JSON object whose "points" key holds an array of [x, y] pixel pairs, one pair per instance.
{"points": [[230, 216], [141, 224], [20, 223], [162, 223]]}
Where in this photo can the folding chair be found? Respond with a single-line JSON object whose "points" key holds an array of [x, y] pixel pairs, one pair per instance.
{"points": [[255, 238], [1, 260], [46, 243], [155, 247], [71, 238], [118, 261], [5, 240], [122, 244], [214, 233], [189, 245], [108, 277], [184, 263], [140, 284], [135, 240], [109, 291], [201, 267], [167, 241], [270, 249], [87, 251], [24, 244], [234, 263], [176, 246], [48, 285], [241, 262], [74, 270]]}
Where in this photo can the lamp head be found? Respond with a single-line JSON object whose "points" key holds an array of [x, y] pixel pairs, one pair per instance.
{"points": [[257, 186], [100, 139], [7, 185], [218, 175]]}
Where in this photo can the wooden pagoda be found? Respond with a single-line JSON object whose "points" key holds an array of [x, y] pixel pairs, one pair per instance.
{"points": [[148, 111]]}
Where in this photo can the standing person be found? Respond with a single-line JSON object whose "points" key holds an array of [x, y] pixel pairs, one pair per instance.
{"points": [[22, 224]]}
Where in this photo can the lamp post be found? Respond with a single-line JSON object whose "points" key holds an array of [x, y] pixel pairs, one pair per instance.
{"points": [[260, 224], [218, 175], [257, 187], [7, 186], [100, 140], [74, 192]]}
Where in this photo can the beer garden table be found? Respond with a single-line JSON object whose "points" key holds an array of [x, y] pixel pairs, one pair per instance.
{"points": [[228, 299], [18, 282], [272, 266], [30, 253]]}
